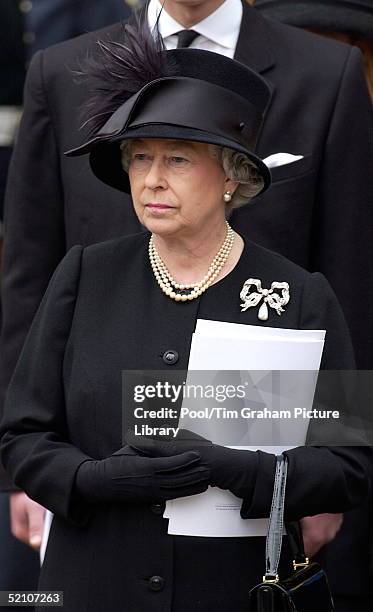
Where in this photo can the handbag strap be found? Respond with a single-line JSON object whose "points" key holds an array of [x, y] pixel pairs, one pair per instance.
{"points": [[276, 521], [295, 536]]}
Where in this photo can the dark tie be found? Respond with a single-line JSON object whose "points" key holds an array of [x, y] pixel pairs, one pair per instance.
{"points": [[185, 38]]}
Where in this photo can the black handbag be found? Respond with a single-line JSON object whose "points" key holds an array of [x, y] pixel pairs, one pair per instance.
{"points": [[307, 589]]}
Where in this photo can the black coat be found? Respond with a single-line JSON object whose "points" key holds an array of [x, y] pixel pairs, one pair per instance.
{"points": [[98, 318]]}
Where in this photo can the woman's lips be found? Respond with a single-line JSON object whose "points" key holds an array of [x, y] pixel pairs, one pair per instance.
{"points": [[158, 206]]}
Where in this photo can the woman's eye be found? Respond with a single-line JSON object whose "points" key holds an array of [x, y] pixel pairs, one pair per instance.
{"points": [[178, 160], [140, 161]]}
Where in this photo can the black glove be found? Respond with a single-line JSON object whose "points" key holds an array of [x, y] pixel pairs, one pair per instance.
{"points": [[229, 468], [125, 476]]}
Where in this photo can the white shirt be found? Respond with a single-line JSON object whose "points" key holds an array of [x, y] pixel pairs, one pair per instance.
{"points": [[218, 32]]}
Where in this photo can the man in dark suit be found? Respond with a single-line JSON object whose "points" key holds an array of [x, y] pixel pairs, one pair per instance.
{"points": [[316, 212]]}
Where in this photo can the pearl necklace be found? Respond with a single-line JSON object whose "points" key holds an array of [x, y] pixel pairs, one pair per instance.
{"points": [[184, 292]]}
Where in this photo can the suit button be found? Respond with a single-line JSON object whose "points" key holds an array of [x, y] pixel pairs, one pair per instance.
{"points": [[157, 508], [170, 357], [156, 583]]}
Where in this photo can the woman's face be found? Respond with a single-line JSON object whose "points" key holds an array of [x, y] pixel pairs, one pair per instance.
{"points": [[177, 186]]}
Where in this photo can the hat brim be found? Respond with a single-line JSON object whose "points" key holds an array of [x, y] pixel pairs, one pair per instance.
{"points": [[337, 17], [105, 156]]}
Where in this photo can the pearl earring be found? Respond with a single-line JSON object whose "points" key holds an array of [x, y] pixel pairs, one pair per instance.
{"points": [[227, 196]]}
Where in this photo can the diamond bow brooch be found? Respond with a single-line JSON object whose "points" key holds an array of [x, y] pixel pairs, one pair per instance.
{"points": [[270, 297]]}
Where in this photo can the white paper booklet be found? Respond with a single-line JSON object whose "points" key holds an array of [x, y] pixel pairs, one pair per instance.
{"points": [[48, 518], [259, 350]]}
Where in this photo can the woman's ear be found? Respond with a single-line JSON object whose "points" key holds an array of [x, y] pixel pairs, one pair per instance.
{"points": [[230, 185]]}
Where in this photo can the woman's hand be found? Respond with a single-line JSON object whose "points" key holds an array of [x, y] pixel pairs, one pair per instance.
{"points": [[26, 519], [126, 476], [229, 468], [319, 530]]}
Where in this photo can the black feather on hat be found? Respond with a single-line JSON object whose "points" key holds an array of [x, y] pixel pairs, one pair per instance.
{"points": [[120, 69], [140, 90]]}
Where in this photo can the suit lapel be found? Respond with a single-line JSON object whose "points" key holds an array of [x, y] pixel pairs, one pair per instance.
{"points": [[254, 46]]}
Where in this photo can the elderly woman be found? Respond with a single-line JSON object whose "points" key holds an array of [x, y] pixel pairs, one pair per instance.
{"points": [[177, 129]]}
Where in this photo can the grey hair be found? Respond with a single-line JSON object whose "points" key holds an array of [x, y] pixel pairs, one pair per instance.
{"points": [[237, 167], [125, 147]]}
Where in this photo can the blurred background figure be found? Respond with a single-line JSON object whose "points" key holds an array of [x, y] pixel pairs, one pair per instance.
{"points": [[47, 22], [348, 21], [25, 27], [12, 74]]}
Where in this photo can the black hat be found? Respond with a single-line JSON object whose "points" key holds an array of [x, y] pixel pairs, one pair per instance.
{"points": [[186, 94], [350, 16]]}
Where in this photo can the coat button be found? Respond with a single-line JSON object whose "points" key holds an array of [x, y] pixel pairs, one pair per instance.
{"points": [[157, 508], [25, 6], [156, 583], [28, 38], [170, 357]]}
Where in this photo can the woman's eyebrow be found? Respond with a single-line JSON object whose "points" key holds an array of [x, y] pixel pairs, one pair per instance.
{"points": [[181, 145], [174, 145]]}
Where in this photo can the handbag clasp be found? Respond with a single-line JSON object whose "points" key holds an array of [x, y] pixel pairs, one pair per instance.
{"points": [[304, 563]]}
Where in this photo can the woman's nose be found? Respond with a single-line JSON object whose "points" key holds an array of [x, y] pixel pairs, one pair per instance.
{"points": [[155, 177]]}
